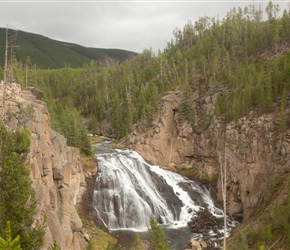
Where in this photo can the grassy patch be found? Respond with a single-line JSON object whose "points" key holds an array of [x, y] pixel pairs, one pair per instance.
{"points": [[88, 162], [99, 239], [188, 172], [196, 172], [95, 139]]}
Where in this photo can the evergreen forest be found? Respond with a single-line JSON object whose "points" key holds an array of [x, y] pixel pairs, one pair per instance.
{"points": [[241, 57], [46, 53]]}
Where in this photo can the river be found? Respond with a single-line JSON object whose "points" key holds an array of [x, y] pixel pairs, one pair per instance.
{"points": [[129, 191]]}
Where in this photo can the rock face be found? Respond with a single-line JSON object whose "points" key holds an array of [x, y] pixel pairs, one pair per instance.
{"points": [[55, 168], [256, 152]]}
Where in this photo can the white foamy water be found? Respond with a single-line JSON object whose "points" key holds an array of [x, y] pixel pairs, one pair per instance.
{"points": [[129, 191]]}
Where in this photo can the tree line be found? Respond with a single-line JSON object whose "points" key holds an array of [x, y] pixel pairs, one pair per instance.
{"points": [[47, 53], [241, 57]]}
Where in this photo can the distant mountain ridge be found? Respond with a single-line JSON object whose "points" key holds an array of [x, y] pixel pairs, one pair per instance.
{"points": [[49, 53]]}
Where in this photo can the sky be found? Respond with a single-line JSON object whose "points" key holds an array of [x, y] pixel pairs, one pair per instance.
{"points": [[128, 25]]}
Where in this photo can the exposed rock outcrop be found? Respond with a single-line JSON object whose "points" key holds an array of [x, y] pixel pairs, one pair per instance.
{"points": [[56, 169], [256, 151]]}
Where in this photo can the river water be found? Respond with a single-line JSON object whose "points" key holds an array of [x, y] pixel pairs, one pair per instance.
{"points": [[129, 191]]}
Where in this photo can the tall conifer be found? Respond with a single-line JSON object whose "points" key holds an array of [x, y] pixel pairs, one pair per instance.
{"points": [[17, 199]]}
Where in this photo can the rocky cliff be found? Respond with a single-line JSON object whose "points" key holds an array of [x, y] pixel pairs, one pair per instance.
{"points": [[256, 152], [55, 168]]}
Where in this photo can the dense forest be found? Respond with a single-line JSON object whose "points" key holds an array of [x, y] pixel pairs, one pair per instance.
{"points": [[46, 53], [241, 57]]}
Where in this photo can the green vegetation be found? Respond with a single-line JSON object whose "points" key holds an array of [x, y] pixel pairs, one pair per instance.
{"points": [[240, 58], [188, 172], [137, 244], [272, 225], [9, 244], [156, 236], [277, 226], [99, 243], [54, 246], [47, 53], [186, 106], [241, 242], [110, 246], [68, 122], [99, 239], [102, 240], [17, 207]]}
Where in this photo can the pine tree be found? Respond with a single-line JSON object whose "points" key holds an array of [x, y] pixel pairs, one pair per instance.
{"points": [[156, 236], [17, 207], [93, 126], [186, 105], [137, 245], [219, 109], [9, 244], [241, 242], [116, 117]]}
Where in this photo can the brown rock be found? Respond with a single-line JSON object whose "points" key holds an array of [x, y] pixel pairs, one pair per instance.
{"points": [[255, 149], [55, 168], [195, 245], [203, 244], [87, 237]]}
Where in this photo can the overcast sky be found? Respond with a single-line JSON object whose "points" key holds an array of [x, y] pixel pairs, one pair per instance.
{"points": [[129, 25]]}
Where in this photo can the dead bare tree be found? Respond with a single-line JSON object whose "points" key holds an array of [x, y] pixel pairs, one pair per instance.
{"points": [[8, 70], [224, 186], [5, 76], [6, 56], [13, 47]]}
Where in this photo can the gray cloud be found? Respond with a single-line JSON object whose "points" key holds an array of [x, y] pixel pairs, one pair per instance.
{"points": [[133, 25]]}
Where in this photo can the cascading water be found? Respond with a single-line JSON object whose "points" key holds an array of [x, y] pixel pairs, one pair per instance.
{"points": [[129, 191]]}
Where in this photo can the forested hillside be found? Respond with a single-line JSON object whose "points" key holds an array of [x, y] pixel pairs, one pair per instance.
{"points": [[242, 57], [46, 53]]}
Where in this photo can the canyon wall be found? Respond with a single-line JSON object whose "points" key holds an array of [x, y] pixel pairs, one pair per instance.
{"points": [[256, 152], [55, 168]]}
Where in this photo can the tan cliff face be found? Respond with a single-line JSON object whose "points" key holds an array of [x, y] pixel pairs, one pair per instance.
{"points": [[55, 168], [256, 152]]}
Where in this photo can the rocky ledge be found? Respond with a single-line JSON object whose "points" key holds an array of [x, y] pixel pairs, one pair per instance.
{"points": [[55, 168], [257, 153]]}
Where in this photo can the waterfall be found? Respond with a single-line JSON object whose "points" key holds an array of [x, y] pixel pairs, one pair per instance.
{"points": [[129, 191]]}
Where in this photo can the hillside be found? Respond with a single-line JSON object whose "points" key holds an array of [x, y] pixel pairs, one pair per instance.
{"points": [[218, 93], [48, 53]]}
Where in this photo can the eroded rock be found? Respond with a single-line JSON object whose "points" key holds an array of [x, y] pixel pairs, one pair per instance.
{"points": [[254, 147], [55, 168]]}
